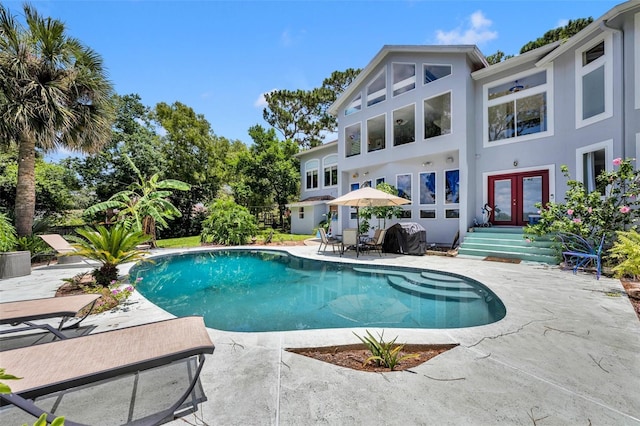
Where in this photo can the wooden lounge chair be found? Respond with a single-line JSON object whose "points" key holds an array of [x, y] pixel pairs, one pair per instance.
{"points": [[24, 312], [87, 360], [326, 241], [61, 246]]}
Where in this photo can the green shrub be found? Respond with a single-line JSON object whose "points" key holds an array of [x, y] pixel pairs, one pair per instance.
{"points": [[7, 234], [386, 354], [594, 214], [626, 253], [228, 223]]}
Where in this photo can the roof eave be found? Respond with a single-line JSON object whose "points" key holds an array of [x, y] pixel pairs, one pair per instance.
{"points": [[510, 63]]}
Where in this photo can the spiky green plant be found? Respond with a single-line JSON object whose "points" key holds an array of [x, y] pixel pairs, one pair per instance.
{"points": [[386, 354], [111, 247], [7, 234]]}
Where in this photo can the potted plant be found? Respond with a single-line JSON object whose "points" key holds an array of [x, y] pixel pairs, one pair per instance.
{"points": [[12, 263]]}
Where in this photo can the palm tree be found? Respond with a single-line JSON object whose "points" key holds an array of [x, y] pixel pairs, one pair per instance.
{"points": [[53, 93], [110, 247]]}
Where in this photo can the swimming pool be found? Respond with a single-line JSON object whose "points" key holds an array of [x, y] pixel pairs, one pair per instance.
{"points": [[270, 290]]}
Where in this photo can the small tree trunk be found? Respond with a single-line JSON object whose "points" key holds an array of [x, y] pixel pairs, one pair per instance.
{"points": [[26, 188], [149, 228]]}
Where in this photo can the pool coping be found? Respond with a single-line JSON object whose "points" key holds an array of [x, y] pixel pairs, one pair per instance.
{"points": [[566, 352]]}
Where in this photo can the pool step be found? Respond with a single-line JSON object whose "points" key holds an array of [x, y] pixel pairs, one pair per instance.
{"points": [[424, 279], [451, 294]]}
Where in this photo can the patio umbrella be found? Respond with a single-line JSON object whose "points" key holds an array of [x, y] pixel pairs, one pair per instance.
{"points": [[367, 197]]}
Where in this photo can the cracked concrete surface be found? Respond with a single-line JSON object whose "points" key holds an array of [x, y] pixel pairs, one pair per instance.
{"points": [[567, 353]]}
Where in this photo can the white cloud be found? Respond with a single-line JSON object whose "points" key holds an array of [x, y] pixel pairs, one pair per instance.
{"points": [[562, 23], [285, 38], [477, 31], [261, 102]]}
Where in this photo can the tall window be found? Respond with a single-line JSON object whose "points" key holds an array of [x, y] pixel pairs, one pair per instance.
{"points": [[311, 169], [435, 72], [437, 116], [377, 90], [330, 165], [592, 160], [354, 106], [404, 78], [352, 135], [376, 133], [404, 125], [516, 109], [594, 82]]}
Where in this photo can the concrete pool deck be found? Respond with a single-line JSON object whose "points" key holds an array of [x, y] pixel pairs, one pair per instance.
{"points": [[567, 353]]}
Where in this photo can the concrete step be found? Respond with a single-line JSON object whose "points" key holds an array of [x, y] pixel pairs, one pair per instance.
{"points": [[450, 294], [498, 252], [424, 279]]}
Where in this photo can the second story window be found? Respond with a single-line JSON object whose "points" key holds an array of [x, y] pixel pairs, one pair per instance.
{"points": [[377, 90], [516, 109], [352, 135], [376, 133], [404, 125], [330, 165], [594, 82], [437, 116], [311, 170]]}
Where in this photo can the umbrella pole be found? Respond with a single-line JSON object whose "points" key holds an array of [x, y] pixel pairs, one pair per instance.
{"points": [[358, 232]]}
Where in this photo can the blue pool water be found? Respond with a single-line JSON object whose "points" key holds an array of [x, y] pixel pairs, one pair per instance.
{"points": [[268, 290]]}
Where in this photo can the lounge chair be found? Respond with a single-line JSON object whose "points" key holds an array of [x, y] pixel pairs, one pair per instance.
{"points": [[87, 360], [24, 312], [61, 246], [326, 241]]}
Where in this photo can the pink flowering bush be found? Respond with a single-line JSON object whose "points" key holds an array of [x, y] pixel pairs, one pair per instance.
{"points": [[594, 214]]}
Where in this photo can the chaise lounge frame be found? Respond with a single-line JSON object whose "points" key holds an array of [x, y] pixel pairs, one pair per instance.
{"points": [[26, 311], [66, 364]]}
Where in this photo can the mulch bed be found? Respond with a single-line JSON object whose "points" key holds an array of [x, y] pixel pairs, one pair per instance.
{"points": [[354, 356]]}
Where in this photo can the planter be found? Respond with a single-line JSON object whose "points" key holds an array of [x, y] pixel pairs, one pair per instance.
{"points": [[15, 264]]}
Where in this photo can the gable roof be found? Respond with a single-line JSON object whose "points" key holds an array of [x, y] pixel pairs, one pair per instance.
{"points": [[477, 58], [317, 148]]}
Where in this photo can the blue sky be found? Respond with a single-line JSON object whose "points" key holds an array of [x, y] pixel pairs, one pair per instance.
{"points": [[220, 57]]}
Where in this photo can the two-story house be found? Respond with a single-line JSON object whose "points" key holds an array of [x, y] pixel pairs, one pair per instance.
{"points": [[453, 133]]}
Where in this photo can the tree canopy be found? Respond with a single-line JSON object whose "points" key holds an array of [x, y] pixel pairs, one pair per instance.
{"points": [[302, 115]]}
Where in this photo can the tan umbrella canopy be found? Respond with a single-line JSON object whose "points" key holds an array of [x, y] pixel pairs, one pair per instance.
{"points": [[367, 197]]}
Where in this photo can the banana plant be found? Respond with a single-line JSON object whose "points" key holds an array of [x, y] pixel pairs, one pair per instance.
{"points": [[145, 206]]}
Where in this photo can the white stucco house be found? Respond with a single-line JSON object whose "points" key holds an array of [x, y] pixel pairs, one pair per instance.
{"points": [[452, 132]]}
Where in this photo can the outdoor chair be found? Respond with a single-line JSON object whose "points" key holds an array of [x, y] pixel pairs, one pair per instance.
{"points": [[61, 246], [350, 239], [327, 241], [580, 252], [376, 242], [24, 312], [100, 359]]}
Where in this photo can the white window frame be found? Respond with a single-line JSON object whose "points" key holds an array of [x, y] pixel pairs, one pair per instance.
{"points": [[424, 66], [411, 183], [309, 167], [608, 157], [415, 122], [346, 154], [450, 113], [486, 103], [385, 144], [404, 83], [380, 93], [354, 106], [330, 161], [607, 61]]}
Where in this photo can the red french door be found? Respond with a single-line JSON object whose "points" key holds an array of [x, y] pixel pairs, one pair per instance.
{"points": [[513, 196]]}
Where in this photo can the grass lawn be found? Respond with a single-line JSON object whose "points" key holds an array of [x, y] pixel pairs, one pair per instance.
{"points": [[194, 241]]}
